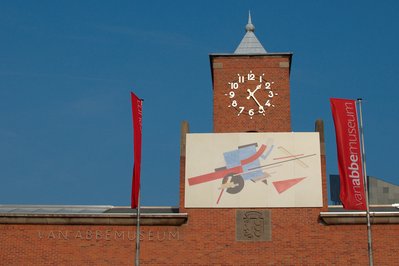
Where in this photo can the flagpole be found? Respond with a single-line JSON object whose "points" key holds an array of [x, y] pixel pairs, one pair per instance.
{"points": [[138, 213], [370, 249], [137, 261], [137, 107]]}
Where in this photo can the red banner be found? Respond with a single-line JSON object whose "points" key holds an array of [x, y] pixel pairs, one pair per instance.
{"points": [[137, 107], [352, 193]]}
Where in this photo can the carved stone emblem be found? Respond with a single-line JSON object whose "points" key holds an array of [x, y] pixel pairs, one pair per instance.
{"points": [[253, 225]]}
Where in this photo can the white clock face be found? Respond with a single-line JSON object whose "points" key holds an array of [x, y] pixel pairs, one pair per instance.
{"points": [[251, 94]]}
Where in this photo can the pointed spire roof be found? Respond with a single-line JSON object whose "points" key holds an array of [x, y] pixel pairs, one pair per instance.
{"points": [[250, 44]]}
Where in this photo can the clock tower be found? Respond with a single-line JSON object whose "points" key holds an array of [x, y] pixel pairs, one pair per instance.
{"points": [[251, 88]]}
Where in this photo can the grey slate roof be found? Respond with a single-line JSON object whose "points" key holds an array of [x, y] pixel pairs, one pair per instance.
{"points": [[54, 209], [80, 209], [250, 44], [90, 215]]}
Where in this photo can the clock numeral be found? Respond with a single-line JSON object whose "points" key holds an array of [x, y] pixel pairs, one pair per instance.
{"points": [[241, 79], [271, 94], [267, 86], [261, 110], [241, 110], [268, 104], [261, 77], [234, 103], [234, 85], [251, 112], [251, 76], [232, 94]]}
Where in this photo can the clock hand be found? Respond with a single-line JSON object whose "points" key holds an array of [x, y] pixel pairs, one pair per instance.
{"points": [[252, 94], [260, 106], [257, 88]]}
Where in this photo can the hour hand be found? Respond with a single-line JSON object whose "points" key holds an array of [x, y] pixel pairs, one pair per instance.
{"points": [[252, 93]]}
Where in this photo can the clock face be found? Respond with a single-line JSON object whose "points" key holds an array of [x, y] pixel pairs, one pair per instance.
{"points": [[251, 94]]}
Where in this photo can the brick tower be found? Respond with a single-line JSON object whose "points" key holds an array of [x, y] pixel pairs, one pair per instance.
{"points": [[251, 88]]}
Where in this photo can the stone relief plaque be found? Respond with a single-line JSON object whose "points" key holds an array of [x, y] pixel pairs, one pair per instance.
{"points": [[253, 225]]}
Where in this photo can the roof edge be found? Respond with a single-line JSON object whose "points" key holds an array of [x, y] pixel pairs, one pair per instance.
{"points": [[255, 54]]}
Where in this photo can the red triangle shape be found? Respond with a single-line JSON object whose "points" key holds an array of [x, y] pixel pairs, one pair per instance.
{"points": [[282, 186]]}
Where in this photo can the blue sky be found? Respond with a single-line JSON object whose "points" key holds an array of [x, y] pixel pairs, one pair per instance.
{"points": [[67, 67]]}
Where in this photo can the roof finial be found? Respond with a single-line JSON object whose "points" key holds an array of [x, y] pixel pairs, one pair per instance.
{"points": [[250, 26], [250, 44]]}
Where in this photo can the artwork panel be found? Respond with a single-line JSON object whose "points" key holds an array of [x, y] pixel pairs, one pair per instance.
{"points": [[234, 170]]}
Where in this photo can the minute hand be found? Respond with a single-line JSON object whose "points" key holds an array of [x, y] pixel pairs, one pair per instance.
{"points": [[252, 93]]}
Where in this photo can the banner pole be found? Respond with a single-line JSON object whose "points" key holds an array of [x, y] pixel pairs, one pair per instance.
{"points": [[137, 261], [370, 249], [137, 107]]}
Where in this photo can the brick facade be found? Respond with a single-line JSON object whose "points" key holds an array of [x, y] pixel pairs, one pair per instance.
{"points": [[208, 238]]}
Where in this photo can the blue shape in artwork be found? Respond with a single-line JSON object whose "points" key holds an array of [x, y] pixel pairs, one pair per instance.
{"points": [[234, 158], [264, 156]]}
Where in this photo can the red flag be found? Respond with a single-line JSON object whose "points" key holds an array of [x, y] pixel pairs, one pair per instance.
{"points": [[352, 191], [137, 108]]}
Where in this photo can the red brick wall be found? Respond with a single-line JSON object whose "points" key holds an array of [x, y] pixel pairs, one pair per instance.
{"points": [[207, 239], [225, 69]]}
